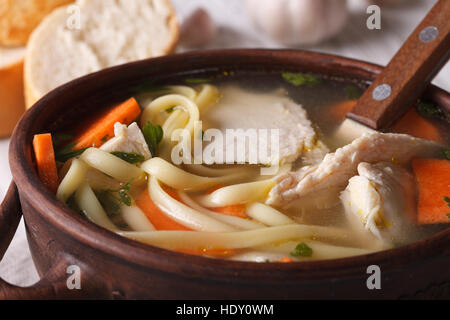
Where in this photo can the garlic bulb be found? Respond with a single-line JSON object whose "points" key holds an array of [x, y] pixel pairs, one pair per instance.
{"points": [[299, 22], [198, 30]]}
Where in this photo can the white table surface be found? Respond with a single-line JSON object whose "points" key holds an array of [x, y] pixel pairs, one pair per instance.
{"points": [[355, 41]]}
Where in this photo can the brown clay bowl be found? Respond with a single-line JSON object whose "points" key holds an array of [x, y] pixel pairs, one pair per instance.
{"points": [[113, 267]]}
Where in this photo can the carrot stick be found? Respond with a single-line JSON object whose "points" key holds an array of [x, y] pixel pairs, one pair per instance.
{"points": [[339, 111], [159, 219], [285, 260], [414, 124], [102, 127], [433, 178], [45, 160]]}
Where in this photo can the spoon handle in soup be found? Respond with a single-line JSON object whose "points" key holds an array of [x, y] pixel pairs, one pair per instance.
{"points": [[406, 77]]}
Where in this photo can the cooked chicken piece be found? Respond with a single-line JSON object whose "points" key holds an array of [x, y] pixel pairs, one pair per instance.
{"points": [[241, 109], [381, 200], [337, 168], [128, 139]]}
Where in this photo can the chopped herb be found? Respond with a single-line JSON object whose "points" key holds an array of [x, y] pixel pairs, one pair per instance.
{"points": [[60, 138], [72, 204], [302, 250], [112, 199], [125, 198], [109, 202], [448, 215], [197, 80], [446, 153], [353, 92], [300, 79], [67, 153], [447, 199], [153, 136], [149, 87], [170, 110], [132, 158], [427, 109], [105, 138]]}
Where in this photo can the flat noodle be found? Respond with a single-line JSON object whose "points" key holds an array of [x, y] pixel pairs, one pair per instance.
{"points": [[205, 171], [91, 207], [179, 179], [207, 96], [169, 101], [237, 194], [240, 223], [267, 215], [112, 165], [99, 181], [183, 214], [72, 180], [320, 250], [234, 240], [136, 219]]}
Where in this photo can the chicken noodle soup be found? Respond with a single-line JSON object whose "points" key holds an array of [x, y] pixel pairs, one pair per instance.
{"points": [[186, 168]]}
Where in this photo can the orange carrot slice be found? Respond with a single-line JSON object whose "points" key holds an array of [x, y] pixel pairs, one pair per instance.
{"points": [[45, 160], [237, 210], [285, 260], [433, 180], [414, 124], [102, 127], [339, 111], [159, 219]]}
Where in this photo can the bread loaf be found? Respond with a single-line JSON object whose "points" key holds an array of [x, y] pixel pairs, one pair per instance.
{"points": [[111, 32], [18, 18], [12, 103]]}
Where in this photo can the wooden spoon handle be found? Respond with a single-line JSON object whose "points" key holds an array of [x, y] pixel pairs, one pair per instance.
{"points": [[409, 72]]}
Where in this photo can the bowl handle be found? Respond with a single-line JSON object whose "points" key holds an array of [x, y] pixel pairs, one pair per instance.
{"points": [[54, 283]]}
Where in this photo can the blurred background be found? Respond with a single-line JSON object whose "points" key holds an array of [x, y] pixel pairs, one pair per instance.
{"points": [[330, 26]]}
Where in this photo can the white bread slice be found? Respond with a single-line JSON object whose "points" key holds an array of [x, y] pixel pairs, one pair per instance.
{"points": [[112, 32], [12, 101], [18, 18]]}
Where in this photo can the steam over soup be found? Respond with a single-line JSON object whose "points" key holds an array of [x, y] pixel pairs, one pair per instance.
{"points": [[251, 169]]}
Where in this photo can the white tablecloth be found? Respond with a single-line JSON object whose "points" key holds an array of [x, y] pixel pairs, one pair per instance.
{"points": [[355, 41]]}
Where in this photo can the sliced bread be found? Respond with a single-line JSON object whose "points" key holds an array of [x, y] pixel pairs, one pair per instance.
{"points": [[12, 102], [18, 18], [111, 32]]}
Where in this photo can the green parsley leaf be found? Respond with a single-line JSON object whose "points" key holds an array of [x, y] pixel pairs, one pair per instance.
{"points": [[300, 79], [447, 199], [132, 158], [427, 109], [170, 110], [105, 138], [109, 202], [153, 136], [60, 138], [125, 197], [448, 215], [353, 92], [302, 250], [72, 204], [446, 153], [67, 153], [148, 87]]}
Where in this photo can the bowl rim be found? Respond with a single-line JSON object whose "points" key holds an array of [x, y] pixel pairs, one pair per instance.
{"points": [[89, 234]]}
